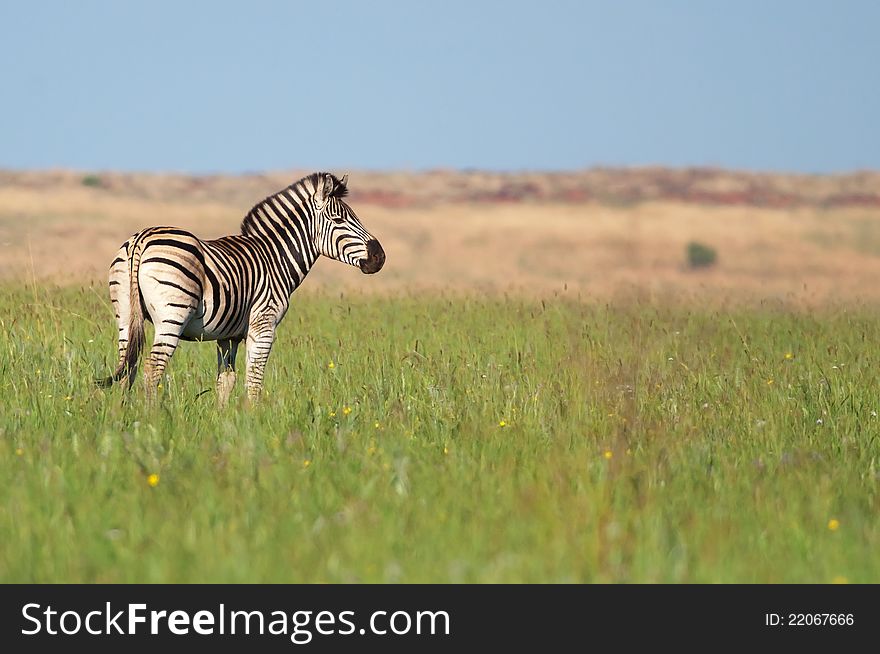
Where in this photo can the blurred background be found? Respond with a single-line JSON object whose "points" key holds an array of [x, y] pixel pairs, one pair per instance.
{"points": [[703, 150]]}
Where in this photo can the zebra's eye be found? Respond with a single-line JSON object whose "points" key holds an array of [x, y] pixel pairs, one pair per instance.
{"points": [[338, 220]]}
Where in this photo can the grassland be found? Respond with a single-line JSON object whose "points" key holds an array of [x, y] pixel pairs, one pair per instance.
{"points": [[489, 439]]}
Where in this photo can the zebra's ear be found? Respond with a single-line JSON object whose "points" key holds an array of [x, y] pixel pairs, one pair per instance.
{"points": [[345, 180], [324, 189]]}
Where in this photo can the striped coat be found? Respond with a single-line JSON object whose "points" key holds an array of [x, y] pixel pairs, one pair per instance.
{"points": [[233, 288]]}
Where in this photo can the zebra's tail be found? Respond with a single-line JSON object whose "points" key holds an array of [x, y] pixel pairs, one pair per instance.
{"points": [[128, 363]]}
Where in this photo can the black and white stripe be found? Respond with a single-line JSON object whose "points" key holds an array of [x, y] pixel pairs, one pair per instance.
{"points": [[234, 287]]}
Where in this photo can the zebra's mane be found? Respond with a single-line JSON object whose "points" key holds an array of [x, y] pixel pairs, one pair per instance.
{"points": [[307, 184]]}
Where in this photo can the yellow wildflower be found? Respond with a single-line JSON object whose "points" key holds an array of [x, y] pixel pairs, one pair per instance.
{"points": [[153, 480], [331, 365], [608, 454], [346, 410], [834, 524]]}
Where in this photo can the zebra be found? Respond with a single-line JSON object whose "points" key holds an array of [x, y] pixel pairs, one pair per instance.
{"points": [[232, 288]]}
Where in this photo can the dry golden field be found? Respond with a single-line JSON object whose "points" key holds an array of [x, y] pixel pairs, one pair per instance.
{"points": [[598, 233]]}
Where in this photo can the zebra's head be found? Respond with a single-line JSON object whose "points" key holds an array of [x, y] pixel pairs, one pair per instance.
{"points": [[339, 234]]}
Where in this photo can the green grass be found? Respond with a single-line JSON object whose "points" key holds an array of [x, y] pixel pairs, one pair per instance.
{"points": [[642, 443]]}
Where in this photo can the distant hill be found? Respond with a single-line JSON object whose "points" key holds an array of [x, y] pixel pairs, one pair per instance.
{"points": [[595, 234], [607, 186]]}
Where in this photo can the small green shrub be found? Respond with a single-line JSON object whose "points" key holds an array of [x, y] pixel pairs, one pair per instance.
{"points": [[93, 181], [700, 256]]}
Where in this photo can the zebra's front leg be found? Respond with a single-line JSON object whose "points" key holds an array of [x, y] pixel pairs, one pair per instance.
{"points": [[259, 343], [226, 350]]}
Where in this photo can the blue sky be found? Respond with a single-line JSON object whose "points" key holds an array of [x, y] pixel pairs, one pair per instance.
{"points": [[247, 86]]}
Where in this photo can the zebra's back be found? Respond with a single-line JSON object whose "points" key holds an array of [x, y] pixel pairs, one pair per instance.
{"points": [[203, 289]]}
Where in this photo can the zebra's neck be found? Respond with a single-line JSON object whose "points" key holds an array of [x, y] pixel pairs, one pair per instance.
{"points": [[285, 222]]}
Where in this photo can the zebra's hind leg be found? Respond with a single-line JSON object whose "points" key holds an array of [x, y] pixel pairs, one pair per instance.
{"points": [[165, 341], [226, 350]]}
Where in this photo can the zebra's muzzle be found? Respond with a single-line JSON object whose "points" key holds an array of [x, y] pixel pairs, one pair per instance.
{"points": [[375, 258]]}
